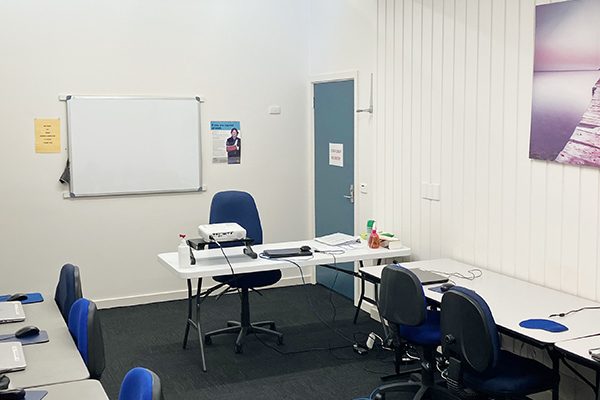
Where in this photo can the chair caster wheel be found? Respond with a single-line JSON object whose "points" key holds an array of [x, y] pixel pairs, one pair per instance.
{"points": [[280, 340], [207, 340], [238, 349]]}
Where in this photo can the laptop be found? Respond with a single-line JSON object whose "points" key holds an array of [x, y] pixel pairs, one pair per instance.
{"points": [[12, 357], [11, 311], [428, 277]]}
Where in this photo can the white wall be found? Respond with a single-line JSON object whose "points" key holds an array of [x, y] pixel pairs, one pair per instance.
{"points": [[456, 88], [343, 38], [242, 56]]}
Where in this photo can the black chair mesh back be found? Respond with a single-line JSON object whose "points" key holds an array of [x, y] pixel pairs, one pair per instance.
{"points": [[157, 393], [401, 298], [97, 360], [465, 331]]}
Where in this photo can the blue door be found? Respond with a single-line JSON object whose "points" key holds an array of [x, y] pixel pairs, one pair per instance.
{"points": [[334, 202]]}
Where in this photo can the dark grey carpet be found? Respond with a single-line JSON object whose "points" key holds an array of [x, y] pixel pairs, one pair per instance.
{"points": [[151, 336]]}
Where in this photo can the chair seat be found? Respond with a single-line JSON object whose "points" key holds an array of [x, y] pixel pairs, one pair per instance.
{"points": [[425, 334], [513, 375], [250, 280]]}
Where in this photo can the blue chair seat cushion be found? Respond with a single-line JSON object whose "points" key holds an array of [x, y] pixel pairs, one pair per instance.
{"points": [[514, 375], [250, 280], [428, 333]]}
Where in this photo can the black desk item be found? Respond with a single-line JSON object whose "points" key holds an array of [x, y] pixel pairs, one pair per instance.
{"points": [[42, 337], [285, 253], [12, 394]]}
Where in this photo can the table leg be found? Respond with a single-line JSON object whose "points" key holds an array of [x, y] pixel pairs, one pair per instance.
{"points": [[198, 326], [189, 317], [555, 357], [597, 388], [362, 294]]}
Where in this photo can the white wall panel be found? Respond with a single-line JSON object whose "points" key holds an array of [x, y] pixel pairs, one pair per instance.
{"points": [[459, 116]]}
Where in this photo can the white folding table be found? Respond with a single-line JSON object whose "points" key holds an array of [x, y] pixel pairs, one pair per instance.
{"points": [[210, 262], [511, 301]]}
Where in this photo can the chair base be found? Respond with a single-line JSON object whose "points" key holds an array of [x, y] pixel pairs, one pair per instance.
{"points": [[235, 327], [421, 392]]}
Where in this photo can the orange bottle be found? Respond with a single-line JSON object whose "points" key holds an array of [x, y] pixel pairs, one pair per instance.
{"points": [[374, 240]]}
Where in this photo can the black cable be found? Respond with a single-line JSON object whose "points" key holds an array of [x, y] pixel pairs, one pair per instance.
{"points": [[233, 276], [474, 274], [285, 353], [309, 299], [564, 314]]}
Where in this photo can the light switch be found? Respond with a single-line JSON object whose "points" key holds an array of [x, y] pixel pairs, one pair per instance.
{"points": [[274, 110]]}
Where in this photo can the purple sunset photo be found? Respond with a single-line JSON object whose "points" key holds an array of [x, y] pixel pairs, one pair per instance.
{"points": [[565, 122]]}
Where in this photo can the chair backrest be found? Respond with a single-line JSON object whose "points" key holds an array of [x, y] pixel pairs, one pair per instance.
{"points": [[401, 297], [68, 289], [141, 384], [236, 206], [84, 325], [469, 332]]}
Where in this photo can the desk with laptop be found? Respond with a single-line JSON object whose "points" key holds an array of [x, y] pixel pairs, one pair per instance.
{"points": [[513, 301], [53, 365]]}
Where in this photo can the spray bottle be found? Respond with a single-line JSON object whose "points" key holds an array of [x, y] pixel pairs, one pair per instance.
{"points": [[183, 251]]}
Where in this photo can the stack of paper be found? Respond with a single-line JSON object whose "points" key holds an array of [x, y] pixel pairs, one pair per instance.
{"points": [[338, 239]]}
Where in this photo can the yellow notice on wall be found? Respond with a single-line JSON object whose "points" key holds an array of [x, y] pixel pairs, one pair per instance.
{"points": [[47, 135]]}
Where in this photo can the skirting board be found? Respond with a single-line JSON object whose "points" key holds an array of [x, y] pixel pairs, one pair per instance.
{"points": [[182, 294]]}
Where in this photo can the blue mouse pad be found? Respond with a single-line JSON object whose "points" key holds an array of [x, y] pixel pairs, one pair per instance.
{"points": [[35, 394], [31, 298], [41, 338], [543, 324]]}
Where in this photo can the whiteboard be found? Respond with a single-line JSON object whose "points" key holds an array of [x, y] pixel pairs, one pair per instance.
{"points": [[133, 145]]}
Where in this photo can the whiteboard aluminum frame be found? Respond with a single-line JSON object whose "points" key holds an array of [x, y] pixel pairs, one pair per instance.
{"points": [[199, 99]]}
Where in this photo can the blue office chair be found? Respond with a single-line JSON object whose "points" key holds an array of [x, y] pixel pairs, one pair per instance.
{"points": [[85, 328], [476, 361], [403, 305], [141, 384], [239, 207], [68, 289]]}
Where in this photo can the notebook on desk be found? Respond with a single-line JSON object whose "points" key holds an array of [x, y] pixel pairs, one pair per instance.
{"points": [[11, 311], [12, 357]]}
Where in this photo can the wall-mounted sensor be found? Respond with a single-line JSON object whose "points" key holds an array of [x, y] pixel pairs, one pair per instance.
{"points": [[274, 110]]}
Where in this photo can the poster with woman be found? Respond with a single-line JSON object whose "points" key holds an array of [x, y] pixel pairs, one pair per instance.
{"points": [[227, 142]]}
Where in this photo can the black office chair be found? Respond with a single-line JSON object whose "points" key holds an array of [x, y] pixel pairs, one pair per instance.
{"points": [[403, 305], [85, 328], [476, 361], [68, 289], [239, 207]]}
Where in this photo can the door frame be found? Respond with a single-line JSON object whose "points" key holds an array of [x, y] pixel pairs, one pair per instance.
{"points": [[325, 78]]}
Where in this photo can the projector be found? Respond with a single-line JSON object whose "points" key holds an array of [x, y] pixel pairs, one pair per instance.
{"points": [[226, 232]]}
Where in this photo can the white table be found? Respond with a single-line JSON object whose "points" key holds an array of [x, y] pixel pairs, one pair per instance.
{"points": [[89, 390], [56, 361], [578, 350], [512, 300], [210, 262]]}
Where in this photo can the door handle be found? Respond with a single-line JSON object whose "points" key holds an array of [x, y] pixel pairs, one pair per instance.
{"points": [[350, 195]]}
